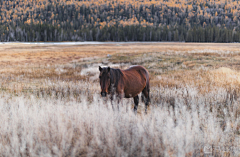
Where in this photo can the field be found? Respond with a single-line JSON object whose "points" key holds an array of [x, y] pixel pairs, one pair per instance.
{"points": [[50, 103]]}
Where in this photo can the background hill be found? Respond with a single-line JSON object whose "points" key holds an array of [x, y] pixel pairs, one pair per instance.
{"points": [[120, 20]]}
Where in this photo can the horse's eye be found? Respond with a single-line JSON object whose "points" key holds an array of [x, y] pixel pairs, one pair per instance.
{"points": [[99, 76]]}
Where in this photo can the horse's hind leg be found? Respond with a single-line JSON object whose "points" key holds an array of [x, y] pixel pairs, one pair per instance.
{"points": [[146, 98], [136, 101]]}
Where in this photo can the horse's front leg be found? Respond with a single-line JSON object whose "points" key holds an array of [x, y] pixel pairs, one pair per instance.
{"points": [[112, 100], [136, 101], [120, 99]]}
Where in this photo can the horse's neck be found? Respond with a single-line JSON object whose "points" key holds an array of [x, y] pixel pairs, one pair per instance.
{"points": [[116, 77]]}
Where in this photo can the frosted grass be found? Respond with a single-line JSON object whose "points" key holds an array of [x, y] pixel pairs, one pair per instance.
{"points": [[212, 51], [46, 126]]}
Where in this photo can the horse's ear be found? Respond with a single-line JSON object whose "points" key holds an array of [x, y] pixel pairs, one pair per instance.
{"points": [[100, 69], [108, 69]]}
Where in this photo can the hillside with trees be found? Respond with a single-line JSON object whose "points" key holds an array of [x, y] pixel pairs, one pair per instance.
{"points": [[120, 20]]}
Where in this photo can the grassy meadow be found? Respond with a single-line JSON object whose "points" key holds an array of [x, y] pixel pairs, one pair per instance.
{"points": [[50, 100]]}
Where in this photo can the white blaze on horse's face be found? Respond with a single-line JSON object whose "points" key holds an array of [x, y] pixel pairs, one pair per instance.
{"points": [[104, 79]]}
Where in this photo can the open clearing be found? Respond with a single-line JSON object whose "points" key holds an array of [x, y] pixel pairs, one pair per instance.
{"points": [[50, 104], [170, 64]]}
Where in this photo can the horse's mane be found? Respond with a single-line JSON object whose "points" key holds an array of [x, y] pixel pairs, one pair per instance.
{"points": [[115, 76]]}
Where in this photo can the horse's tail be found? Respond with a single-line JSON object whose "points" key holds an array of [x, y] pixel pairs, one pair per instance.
{"points": [[147, 87]]}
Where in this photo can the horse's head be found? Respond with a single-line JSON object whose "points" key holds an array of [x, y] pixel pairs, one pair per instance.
{"points": [[104, 79]]}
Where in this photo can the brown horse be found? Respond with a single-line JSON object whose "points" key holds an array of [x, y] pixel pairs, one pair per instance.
{"points": [[125, 83]]}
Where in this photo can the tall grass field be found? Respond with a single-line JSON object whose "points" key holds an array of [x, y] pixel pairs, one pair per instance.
{"points": [[50, 103]]}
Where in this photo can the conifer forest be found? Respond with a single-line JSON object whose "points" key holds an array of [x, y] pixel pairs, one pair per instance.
{"points": [[120, 20]]}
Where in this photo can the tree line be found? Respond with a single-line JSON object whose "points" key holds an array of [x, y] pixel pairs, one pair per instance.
{"points": [[119, 20]]}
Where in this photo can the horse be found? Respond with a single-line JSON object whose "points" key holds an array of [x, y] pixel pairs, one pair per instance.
{"points": [[126, 83]]}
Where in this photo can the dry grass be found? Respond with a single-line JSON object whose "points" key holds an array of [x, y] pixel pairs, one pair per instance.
{"points": [[194, 100], [26, 67]]}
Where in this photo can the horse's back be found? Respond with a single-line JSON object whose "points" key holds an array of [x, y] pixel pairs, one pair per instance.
{"points": [[138, 69], [135, 67], [136, 78]]}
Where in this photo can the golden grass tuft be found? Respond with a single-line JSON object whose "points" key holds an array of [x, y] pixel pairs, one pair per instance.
{"points": [[225, 75]]}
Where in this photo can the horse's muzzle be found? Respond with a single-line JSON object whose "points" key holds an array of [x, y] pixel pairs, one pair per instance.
{"points": [[103, 94]]}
